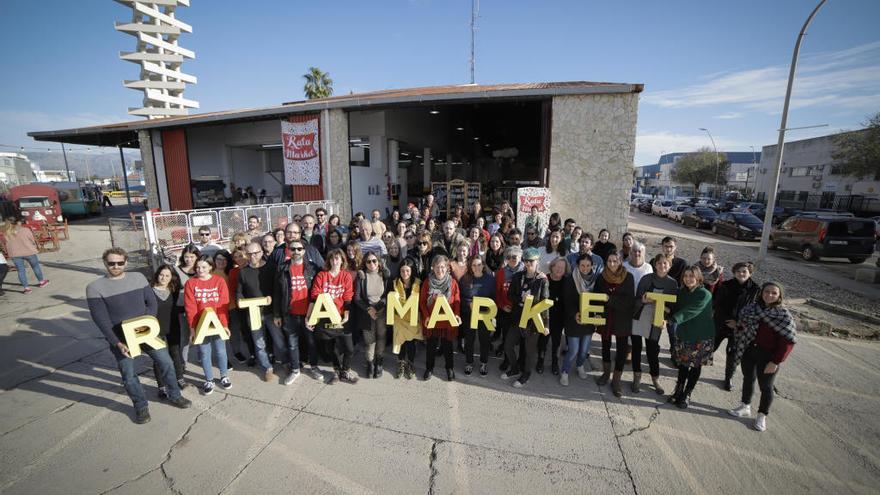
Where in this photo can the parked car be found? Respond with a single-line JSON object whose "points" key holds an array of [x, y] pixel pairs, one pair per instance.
{"points": [[826, 236], [748, 207], [659, 207], [676, 211], [698, 217], [646, 206], [779, 214], [738, 225]]}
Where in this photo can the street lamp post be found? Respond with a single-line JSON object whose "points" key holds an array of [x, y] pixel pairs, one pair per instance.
{"points": [[716, 159], [774, 182]]}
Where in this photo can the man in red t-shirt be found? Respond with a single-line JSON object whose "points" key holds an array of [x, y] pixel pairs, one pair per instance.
{"points": [[291, 305]]}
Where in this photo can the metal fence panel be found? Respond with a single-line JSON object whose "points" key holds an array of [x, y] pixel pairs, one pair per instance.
{"points": [[232, 221], [171, 229], [168, 232], [128, 234], [260, 212], [279, 217]]}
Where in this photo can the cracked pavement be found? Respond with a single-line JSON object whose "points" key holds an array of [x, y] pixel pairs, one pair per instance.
{"points": [[66, 425]]}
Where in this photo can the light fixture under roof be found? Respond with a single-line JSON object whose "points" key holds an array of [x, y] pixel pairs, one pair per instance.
{"points": [[476, 138], [459, 128], [433, 111]]}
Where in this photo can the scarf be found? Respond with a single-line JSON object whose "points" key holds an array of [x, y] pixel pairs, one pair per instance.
{"points": [[510, 272], [711, 274], [584, 283], [441, 286], [614, 278], [777, 317]]}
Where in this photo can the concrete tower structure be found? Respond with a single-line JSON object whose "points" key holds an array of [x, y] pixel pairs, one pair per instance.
{"points": [[159, 56]]}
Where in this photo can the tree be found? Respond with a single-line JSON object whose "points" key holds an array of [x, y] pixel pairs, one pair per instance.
{"points": [[318, 84], [699, 168], [858, 153]]}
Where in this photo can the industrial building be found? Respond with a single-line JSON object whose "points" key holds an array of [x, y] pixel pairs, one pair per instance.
{"points": [[384, 148]]}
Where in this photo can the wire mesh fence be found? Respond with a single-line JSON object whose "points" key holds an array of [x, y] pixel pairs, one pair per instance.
{"points": [[128, 234], [168, 232]]}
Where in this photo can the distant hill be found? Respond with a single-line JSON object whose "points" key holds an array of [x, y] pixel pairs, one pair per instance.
{"points": [[101, 165]]}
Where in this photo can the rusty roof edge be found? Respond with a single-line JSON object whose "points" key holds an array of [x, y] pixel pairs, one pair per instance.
{"points": [[309, 106]]}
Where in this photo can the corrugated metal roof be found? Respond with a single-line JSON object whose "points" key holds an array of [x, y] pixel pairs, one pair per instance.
{"points": [[123, 131]]}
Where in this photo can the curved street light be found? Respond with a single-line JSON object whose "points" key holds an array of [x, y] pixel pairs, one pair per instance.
{"points": [[774, 182]]}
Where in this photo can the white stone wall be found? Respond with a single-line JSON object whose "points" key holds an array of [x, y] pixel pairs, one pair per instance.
{"points": [[337, 180], [591, 159]]}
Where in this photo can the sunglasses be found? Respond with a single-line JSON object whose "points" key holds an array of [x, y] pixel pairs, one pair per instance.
{"points": [[511, 257], [115, 263], [532, 233], [408, 237], [204, 234], [373, 261], [297, 249], [423, 243], [320, 214]]}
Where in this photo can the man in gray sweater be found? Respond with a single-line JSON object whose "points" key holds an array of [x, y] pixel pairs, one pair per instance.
{"points": [[117, 297]]}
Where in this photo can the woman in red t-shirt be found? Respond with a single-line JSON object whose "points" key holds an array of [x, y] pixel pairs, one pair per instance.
{"points": [[336, 281], [203, 291], [439, 283]]}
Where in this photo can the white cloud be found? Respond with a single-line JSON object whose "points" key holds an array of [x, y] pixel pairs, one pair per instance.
{"points": [[728, 116], [846, 77]]}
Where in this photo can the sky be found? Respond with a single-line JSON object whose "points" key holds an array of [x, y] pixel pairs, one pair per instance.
{"points": [[714, 64]]}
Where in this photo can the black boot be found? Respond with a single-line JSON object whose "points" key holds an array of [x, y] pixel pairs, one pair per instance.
{"points": [[729, 371], [685, 398], [554, 366], [377, 368], [677, 393], [368, 369], [539, 366]]}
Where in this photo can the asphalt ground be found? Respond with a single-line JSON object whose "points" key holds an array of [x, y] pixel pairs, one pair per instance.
{"points": [[66, 423]]}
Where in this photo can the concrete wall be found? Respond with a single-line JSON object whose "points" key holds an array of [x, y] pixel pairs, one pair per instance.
{"points": [[337, 182], [591, 159]]}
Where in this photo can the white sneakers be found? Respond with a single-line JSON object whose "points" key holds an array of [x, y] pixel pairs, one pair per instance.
{"points": [[563, 379], [582, 372], [761, 422], [743, 411]]}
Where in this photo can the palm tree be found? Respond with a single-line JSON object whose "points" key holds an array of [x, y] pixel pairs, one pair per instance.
{"points": [[318, 84]]}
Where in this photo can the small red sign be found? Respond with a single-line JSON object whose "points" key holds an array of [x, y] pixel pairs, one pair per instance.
{"points": [[300, 146]]}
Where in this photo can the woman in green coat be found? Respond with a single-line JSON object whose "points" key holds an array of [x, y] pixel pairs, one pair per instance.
{"points": [[695, 333]]}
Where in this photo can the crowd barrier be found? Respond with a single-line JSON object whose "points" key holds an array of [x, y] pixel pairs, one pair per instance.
{"points": [[167, 232]]}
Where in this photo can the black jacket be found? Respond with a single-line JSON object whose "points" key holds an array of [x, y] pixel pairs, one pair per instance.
{"points": [[571, 302], [731, 297], [361, 303], [521, 286], [311, 256], [620, 305], [422, 263], [281, 292]]}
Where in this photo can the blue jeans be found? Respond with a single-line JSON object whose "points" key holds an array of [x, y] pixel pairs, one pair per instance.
{"points": [[297, 325], [219, 347], [260, 347], [577, 346], [293, 325], [130, 380], [35, 266]]}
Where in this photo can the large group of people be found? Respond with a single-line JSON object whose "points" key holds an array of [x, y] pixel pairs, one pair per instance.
{"points": [[467, 255]]}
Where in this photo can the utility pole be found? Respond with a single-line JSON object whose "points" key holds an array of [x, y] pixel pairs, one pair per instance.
{"points": [[125, 176], [66, 167], [475, 11], [774, 182]]}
